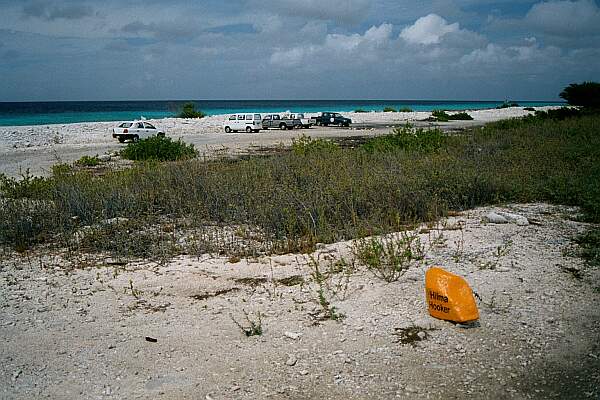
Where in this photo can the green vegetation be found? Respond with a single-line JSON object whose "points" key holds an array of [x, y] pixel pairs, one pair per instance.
{"points": [[88, 161], [408, 139], [159, 148], [304, 145], [589, 244], [360, 110], [189, 111], [508, 104], [388, 258], [405, 109], [442, 116], [315, 193], [586, 94], [389, 109]]}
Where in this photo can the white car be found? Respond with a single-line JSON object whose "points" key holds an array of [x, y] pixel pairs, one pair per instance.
{"points": [[135, 130], [243, 122]]}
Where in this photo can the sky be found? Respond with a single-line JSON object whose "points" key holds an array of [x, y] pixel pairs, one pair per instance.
{"points": [[54, 50]]}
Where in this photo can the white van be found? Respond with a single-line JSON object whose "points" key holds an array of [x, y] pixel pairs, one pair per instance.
{"points": [[243, 122]]}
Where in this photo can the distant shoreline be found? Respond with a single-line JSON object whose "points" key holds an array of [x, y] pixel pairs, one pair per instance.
{"points": [[61, 113]]}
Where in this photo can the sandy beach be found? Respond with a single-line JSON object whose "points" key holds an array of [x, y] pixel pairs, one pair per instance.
{"points": [[39, 147]]}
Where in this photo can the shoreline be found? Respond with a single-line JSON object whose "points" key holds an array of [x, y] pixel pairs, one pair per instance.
{"points": [[38, 147]]}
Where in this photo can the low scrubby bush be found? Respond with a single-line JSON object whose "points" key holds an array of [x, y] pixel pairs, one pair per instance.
{"points": [[88, 161], [389, 109], [407, 138], [360, 110], [159, 148], [405, 109], [189, 111], [307, 145]]}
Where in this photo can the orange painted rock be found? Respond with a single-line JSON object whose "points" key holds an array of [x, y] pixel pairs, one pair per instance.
{"points": [[449, 297]]}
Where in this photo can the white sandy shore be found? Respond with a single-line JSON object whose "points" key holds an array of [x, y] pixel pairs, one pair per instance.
{"points": [[15, 137]]}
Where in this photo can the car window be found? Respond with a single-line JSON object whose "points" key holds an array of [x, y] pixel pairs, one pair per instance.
{"points": [[125, 125], [267, 118], [240, 117], [249, 117], [336, 115], [275, 116], [139, 125], [148, 126], [257, 117], [300, 116], [232, 117]]}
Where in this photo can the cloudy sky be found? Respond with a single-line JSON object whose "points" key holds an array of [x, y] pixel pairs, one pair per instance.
{"points": [[296, 49]]}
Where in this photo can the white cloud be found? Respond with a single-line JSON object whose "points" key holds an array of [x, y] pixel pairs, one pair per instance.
{"points": [[428, 30], [565, 17], [356, 45]]}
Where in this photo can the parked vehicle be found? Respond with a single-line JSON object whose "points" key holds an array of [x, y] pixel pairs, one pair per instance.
{"points": [[330, 118], [243, 122], [135, 130], [281, 122], [304, 120]]}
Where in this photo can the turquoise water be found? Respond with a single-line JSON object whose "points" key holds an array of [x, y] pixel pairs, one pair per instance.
{"points": [[46, 113]]}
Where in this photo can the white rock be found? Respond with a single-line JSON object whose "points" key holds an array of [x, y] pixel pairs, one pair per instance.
{"points": [[291, 361], [292, 335], [495, 218], [104, 157]]}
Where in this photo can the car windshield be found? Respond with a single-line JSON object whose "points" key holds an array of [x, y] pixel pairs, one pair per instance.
{"points": [[299, 115], [337, 115], [125, 125], [149, 126]]}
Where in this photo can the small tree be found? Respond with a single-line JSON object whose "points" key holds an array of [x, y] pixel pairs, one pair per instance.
{"points": [[586, 94], [189, 111]]}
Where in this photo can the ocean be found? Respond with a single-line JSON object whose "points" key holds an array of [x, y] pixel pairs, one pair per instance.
{"points": [[65, 112]]}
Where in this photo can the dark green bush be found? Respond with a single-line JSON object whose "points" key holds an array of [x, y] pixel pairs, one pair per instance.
{"points": [[405, 109], [586, 94], [360, 110], [440, 115], [589, 244], [389, 109], [159, 148], [508, 104], [461, 116], [189, 111]]}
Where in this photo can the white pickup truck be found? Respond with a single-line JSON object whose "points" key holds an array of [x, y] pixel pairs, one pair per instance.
{"points": [[306, 122]]}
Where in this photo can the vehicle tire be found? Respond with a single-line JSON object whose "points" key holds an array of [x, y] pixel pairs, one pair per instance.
{"points": [[121, 139], [282, 126], [290, 127], [135, 138], [248, 129], [256, 130], [160, 134], [347, 125], [227, 129]]}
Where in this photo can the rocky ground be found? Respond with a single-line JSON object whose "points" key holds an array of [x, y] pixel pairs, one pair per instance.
{"points": [[142, 330]]}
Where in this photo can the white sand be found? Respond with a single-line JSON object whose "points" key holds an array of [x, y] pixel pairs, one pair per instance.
{"points": [[15, 137]]}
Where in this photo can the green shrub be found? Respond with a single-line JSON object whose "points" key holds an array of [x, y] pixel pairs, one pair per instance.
{"points": [[189, 111], [440, 115], [29, 186], [307, 145], [360, 110], [159, 148], [508, 104], [405, 109], [461, 116], [529, 109], [389, 109], [589, 244], [406, 138], [88, 161], [586, 94]]}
